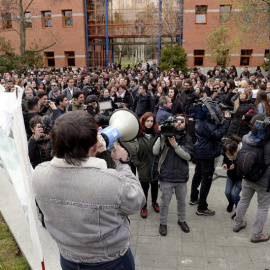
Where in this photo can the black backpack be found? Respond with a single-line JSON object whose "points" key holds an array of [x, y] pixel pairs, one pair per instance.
{"points": [[250, 162]]}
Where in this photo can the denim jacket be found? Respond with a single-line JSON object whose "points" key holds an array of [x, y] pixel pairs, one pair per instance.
{"points": [[86, 207]]}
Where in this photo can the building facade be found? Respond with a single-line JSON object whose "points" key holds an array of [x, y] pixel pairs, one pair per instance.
{"points": [[96, 33]]}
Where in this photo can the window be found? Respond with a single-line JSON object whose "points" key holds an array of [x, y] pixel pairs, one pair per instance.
{"points": [[224, 13], [7, 22], [266, 52], [200, 13], [67, 18], [198, 57], [28, 20], [47, 18], [245, 57], [49, 56], [70, 59]]}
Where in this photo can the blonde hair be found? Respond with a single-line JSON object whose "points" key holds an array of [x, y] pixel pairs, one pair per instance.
{"points": [[237, 102]]}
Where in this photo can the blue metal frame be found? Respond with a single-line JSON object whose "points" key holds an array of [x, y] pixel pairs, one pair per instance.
{"points": [[159, 28], [181, 23], [86, 34], [107, 33]]}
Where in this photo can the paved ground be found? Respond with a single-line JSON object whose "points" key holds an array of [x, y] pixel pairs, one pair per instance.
{"points": [[211, 244]]}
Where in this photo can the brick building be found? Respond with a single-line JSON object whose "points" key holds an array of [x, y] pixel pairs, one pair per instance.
{"points": [[91, 33]]}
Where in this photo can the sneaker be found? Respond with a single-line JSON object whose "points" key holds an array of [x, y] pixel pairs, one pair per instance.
{"points": [[233, 216], [263, 238], [193, 202], [156, 207], [206, 212], [163, 230], [230, 207], [144, 212], [184, 226], [238, 229]]}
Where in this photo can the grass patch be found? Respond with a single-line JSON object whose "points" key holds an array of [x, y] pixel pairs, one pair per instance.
{"points": [[11, 257]]}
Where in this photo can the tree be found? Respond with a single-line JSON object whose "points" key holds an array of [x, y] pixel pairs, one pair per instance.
{"points": [[173, 58], [220, 43], [265, 64], [17, 9], [253, 21], [170, 20], [9, 60]]}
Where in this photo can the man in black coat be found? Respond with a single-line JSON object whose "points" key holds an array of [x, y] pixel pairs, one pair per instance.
{"points": [[143, 102], [206, 149]]}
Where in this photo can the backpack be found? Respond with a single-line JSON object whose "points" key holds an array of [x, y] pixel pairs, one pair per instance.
{"points": [[250, 162]]}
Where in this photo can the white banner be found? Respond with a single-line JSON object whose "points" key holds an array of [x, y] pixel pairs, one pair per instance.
{"points": [[14, 156]]}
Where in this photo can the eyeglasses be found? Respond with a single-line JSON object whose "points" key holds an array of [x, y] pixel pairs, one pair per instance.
{"points": [[54, 84], [178, 121], [216, 88]]}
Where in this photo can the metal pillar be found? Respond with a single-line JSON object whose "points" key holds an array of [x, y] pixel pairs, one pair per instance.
{"points": [[159, 28], [181, 23], [107, 33], [86, 34]]}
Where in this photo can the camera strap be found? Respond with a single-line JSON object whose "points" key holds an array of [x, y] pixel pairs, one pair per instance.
{"points": [[220, 119]]}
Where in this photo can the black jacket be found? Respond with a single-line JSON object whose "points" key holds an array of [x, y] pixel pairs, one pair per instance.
{"points": [[39, 151], [173, 163], [238, 126], [209, 135], [143, 104], [188, 97]]}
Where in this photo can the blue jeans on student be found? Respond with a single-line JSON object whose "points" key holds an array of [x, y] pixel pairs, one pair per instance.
{"points": [[126, 262], [233, 190]]}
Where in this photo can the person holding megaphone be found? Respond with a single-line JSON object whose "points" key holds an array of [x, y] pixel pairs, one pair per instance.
{"points": [[85, 205]]}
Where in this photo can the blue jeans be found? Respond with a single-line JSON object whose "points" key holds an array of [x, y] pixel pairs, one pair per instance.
{"points": [[126, 262], [233, 190]]}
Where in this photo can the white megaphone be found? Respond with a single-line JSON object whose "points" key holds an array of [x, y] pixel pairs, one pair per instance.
{"points": [[124, 126]]}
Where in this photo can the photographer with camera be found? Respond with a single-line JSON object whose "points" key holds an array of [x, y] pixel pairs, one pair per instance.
{"points": [[176, 149], [207, 147], [39, 145]]}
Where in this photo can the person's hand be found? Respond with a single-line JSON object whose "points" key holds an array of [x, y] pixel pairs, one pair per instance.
{"points": [[118, 153], [243, 118], [235, 90], [224, 166], [232, 167], [227, 115], [172, 141], [38, 132], [52, 105], [190, 119]]}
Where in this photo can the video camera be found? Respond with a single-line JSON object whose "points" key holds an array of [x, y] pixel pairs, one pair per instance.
{"points": [[167, 128]]}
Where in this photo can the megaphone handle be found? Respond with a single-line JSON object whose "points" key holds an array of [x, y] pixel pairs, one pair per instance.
{"points": [[129, 154]]}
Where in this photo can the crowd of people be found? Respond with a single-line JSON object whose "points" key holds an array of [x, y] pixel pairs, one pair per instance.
{"points": [[184, 118]]}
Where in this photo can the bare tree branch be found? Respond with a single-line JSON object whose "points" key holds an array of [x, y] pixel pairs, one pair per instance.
{"points": [[42, 49], [30, 3]]}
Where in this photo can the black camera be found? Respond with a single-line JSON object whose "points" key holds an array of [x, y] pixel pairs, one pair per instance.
{"points": [[167, 128]]}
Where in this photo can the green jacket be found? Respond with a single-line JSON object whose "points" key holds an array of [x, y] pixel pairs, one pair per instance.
{"points": [[145, 158]]}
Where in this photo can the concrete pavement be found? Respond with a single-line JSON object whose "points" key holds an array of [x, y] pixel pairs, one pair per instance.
{"points": [[211, 244]]}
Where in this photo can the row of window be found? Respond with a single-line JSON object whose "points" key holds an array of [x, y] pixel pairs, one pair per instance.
{"points": [[46, 17], [201, 13], [69, 59], [244, 57]]}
